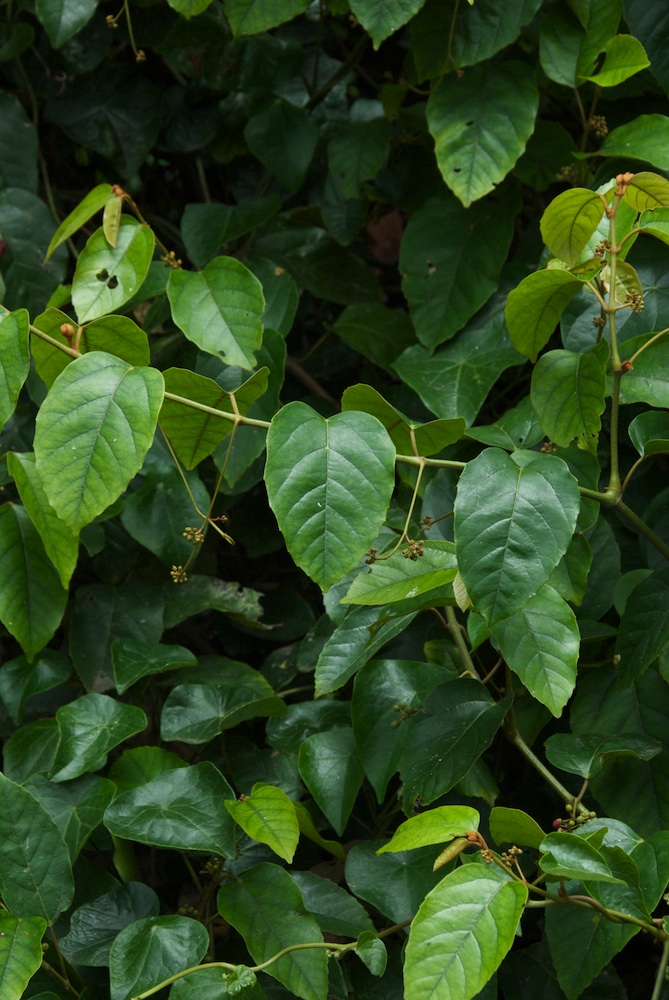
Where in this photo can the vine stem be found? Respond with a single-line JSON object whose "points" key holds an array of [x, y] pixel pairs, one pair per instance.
{"points": [[661, 972], [456, 632], [517, 740]]}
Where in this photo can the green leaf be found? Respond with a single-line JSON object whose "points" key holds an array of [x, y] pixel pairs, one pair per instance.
{"points": [[89, 728], [180, 809], [98, 421], [95, 924], [455, 380], [450, 259], [20, 952], [153, 949], [399, 578], [463, 930], [206, 228], [526, 517], [268, 816], [513, 826], [138, 765], [266, 907], [329, 766], [395, 884], [196, 712], [381, 18], [31, 749], [434, 827], [76, 807], [375, 331], [655, 222], [203, 593], [646, 137], [357, 153], [451, 730], [283, 137], [62, 19], [20, 680], [647, 381], [644, 626], [570, 576], [18, 142], [540, 642], [134, 659], [193, 433], [209, 983], [189, 8], [624, 57], [586, 755], [481, 121], [220, 309], [517, 428], [329, 483], [94, 202], [111, 218], [565, 856], [407, 435], [32, 598], [336, 911], [14, 338], [647, 190], [60, 542], [35, 869], [568, 395], [649, 433], [308, 830], [534, 307], [569, 222], [250, 17], [356, 639], [106, 277]]}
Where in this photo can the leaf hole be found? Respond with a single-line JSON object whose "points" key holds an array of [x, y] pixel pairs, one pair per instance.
{"points": [[457, 170], [102, 275]]}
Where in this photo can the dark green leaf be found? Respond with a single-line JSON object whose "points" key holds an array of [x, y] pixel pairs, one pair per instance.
{"points": [[152, 949], [203, 593], [336, 911], [395, 884], [139, 765], [586, 755], [407, 435], [381, 19], [249, 17], [76, 807], [207, 228], [644, 626], [18, 144], [358, 153], [283, 137], [64, 18], [89, 728], [330, 769], [158, 513], [94, 925], [647, 381], [399, 578], [356, 639], [376, 331], [650, 432], [20, 680], [134, 659]]}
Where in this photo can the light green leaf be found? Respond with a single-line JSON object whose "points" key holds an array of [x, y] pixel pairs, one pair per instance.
{"points": [[534, 307], [399, 578], [220, 309], [134, 659], [644, 626], [540, 642], [60, 542], [265, 905], [566, 856], [20, 952], [250, 17], [512, 527], [649, 432], [569, 222], [32, 598], [268, 816], [189, 8], [106, 277], [648, 379], [15, 351], [655, 222], [94, 202], [329, 766], [646, 191], [407, 435], [97, 422], [513, 826], [481, 121], [181, 808], [35, 870], [462, 931], [89, 728], [380, 18], [153, 949], [372, 951], [450, 259], [646, 137], [433, 827], [568, 395], [62, 19], [624, 57], [329, 483], [284, 138]]}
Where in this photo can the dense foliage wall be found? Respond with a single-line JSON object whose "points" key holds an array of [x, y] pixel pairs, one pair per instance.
{"points": [[334, 594]]}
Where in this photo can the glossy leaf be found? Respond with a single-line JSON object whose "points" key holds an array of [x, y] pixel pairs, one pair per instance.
{"points": [[647, 190], [624, 57], [35, 869], [76, 807], [564, 856], [526, 515], [644, 138], [266, 907], [461, 933], [220, 309], [644, 626], [649, 432], [137, 766], [32, 598], [330, 769], [433, 827], [395, 884], [452, 729], [134, 659], [568, 394], [181, 809], [569, 222], [153, 949], [20, 952], [586, 755], [480, 124], [93, 202], [98, 421], [64, 18], [513, 826], [534, 307], [21, 680], [94, 925], [399, 578], [14, 339], [329, 484], [336, 911], [61, 544], [541, 642], [408, 436], [89, 728], [381, 19], [450, 258], [268, 816], [106, 277]]}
